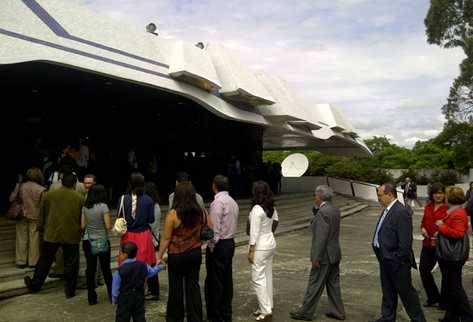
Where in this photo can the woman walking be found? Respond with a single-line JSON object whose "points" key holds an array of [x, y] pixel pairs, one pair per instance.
{"points": [[262, 248], [27, 233], [454, 226], [181, 239], [435, 210], [96, 223]]}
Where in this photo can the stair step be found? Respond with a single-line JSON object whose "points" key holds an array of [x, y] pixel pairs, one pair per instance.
{"points": [[294, 212]]}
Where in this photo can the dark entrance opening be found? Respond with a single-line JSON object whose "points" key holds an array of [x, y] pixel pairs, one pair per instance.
{"points": [[46, 106]]}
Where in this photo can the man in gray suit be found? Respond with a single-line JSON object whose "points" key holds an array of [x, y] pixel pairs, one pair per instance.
{"points": [[325, 256], [392, 244]]}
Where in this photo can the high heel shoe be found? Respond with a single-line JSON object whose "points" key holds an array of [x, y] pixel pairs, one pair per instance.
{"points": [[264, 317]]}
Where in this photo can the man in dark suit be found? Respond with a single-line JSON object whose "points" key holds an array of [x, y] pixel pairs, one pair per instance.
{"points": [[392, 244], [325, 257], [410, 192]]}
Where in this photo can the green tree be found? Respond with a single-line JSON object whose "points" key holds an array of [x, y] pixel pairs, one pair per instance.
{"points": [[429, 155], [457, 137], [449, 24], [377, 144]]}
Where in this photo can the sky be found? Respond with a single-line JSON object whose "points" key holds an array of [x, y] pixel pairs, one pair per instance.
{"points": [[368, 57]]}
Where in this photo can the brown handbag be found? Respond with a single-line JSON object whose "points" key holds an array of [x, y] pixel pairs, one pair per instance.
{"points": [[15, 212]]}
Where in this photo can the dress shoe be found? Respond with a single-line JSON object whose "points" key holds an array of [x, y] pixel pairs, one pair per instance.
{"points": [[151, 297], [335, 317], [29, 284], [56, 275], [70, 294], [299, 316], [431, 304], [264, 318]]}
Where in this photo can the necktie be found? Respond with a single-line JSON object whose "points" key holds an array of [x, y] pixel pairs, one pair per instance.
{"points": [[378, 228]]}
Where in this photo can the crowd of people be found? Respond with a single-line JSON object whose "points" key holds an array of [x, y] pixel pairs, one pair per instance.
{"points": [[71, 213]]}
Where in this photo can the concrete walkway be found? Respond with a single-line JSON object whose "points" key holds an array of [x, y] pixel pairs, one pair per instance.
{"points": [[360, 283]]}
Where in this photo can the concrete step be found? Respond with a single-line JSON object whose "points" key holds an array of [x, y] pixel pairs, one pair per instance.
{"points": [[294, 213], [7, 238]]}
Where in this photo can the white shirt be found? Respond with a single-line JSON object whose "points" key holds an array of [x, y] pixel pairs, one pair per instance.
{"points": [[261, 234], [380, 224]]}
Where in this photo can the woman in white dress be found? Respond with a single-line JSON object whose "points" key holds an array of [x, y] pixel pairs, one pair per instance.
{"points": [[263, 220]]}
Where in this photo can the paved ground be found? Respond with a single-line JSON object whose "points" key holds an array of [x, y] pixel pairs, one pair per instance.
{"points": [[360, 283]]}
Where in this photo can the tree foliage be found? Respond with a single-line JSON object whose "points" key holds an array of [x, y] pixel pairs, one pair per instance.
{"points": [[449, 24], [452, 149]]}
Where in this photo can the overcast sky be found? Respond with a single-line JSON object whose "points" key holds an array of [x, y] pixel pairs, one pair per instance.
{"points": [[369, 57]]}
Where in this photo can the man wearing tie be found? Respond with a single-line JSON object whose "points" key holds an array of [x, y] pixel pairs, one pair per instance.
{"points": [[325, 257], [392, 244]]}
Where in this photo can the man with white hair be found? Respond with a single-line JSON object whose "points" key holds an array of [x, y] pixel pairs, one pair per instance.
{"points": [[325, 257]]}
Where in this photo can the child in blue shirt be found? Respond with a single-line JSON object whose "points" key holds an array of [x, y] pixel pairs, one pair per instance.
{"points": [[128, 285]]}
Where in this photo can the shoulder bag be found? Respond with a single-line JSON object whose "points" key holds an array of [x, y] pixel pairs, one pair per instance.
{"points": [[206, 232], [452, 249], [15, 212], [120, 226], [98, 246]]}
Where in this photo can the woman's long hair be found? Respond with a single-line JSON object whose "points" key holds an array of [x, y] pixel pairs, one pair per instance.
{"points": [[188, 210], [97, 194], [263, 196]]}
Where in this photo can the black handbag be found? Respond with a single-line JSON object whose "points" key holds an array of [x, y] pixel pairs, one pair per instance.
{"points": [[452, 249], [206, 233]]}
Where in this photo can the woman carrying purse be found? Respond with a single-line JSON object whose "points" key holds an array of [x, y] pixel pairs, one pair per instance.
{"points": [[454, 226], [96, 223]]}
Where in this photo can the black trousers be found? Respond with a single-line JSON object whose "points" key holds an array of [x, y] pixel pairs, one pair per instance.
{"points": [[428, 259], [219, 281], [71, 266], [131, 305], [104, 259], [456, 301], [183, 270], [396, 280], [153, 285]]}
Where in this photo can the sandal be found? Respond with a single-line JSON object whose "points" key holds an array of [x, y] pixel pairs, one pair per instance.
{"points": [[265, 318]]}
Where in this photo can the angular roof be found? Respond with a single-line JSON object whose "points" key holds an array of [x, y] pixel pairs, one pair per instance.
{"points": [[65, 33]]}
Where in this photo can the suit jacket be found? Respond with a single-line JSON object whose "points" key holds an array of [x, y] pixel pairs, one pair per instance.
{"points": [[395, 237], [325, 235], [60, 212]]}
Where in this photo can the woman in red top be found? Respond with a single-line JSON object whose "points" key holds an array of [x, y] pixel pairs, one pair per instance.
{"points": [[455, 225], [435, 210]]}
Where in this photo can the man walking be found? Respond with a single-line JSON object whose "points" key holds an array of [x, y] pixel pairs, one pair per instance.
{"points": [[219, 254], [410, 192], [61, 212], [325, 257], [392, 244]]}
